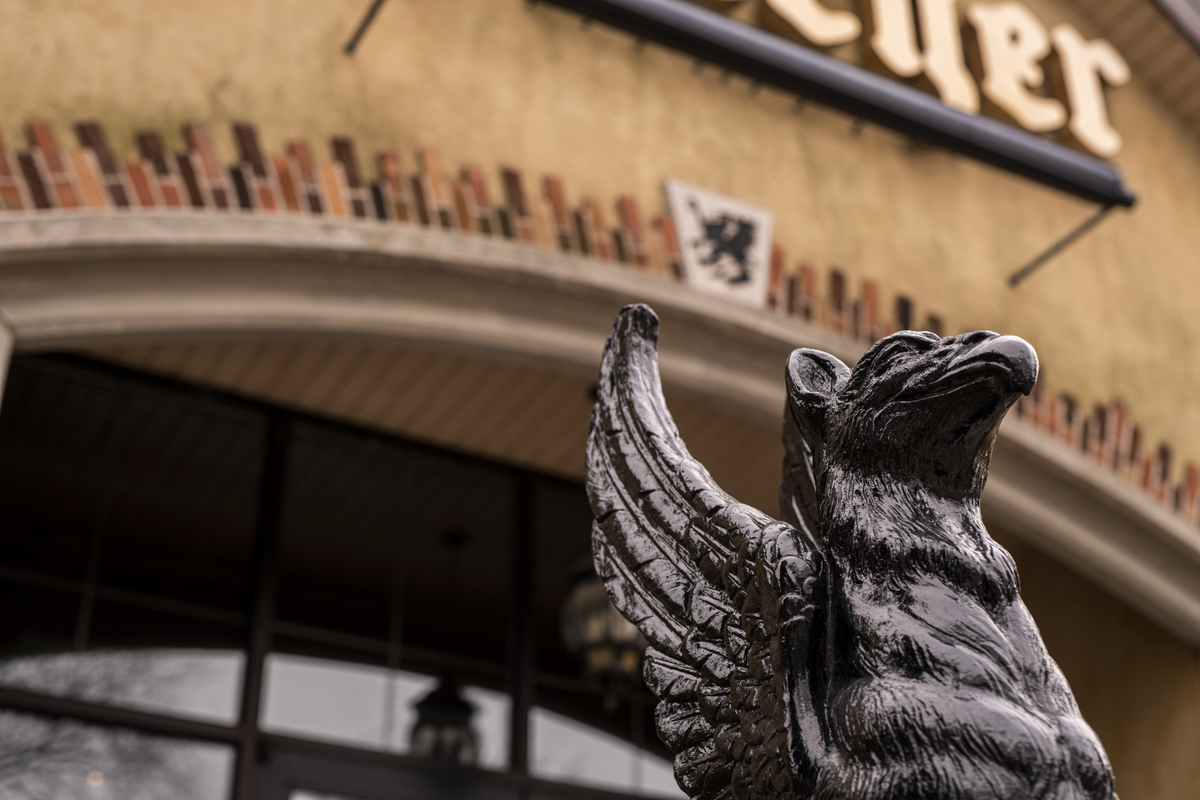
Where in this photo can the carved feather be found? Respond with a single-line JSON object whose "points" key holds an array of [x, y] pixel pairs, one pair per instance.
{"points": [[703, 577]]}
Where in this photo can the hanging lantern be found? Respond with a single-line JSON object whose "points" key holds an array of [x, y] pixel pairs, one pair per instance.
{"points": [[611, 647], [443, 731]]}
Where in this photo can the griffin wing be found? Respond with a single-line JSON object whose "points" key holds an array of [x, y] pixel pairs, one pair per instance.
{"points": [[726, 596]]}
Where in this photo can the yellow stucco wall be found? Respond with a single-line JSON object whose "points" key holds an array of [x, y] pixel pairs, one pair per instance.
{"points": [[1137, 688], [506, 82], [496, 82]]}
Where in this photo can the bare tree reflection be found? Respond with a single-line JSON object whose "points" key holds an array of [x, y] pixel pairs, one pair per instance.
{"points": [[44, 759], [194, 683]]}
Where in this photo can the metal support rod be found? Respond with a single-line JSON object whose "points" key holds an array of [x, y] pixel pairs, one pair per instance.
{"points": [[362, 27], [262, 607], [1060, 245], [520, 626]]}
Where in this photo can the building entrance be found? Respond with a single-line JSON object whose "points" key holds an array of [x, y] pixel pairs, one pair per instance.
{"points": [[209, 597]]}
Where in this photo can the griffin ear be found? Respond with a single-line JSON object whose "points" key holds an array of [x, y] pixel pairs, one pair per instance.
{"points": [[813, 378]]}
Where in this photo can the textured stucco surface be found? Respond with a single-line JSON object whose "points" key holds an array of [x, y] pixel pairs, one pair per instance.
{"points": [[506, 82], [501, 82], [1137, 688]]}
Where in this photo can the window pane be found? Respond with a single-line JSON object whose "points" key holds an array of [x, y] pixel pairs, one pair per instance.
{"points": [[49, 481], [370, 706], [143, 658], [585, 731], [145, 489], [395, 550], [563, 549], [69, 760], [202, 684], [46, 622], [571, 752]]}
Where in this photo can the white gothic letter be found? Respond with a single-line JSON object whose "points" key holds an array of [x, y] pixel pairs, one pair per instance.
{"points": [[822, 26], [1011, 43], [1084, 64], [894, 40]]}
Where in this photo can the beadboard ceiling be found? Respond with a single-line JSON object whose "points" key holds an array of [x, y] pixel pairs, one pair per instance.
{"points": [[507, 411]]}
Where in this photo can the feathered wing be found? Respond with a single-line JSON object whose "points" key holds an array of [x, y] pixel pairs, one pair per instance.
{"points": [[726, 596]]}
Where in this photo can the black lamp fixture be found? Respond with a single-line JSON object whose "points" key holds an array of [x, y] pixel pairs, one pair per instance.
{"points": [[611, 647], [443, 731]]}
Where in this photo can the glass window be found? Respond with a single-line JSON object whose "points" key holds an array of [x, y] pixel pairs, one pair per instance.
{"points": [[394, 564], [569, 751], [371, 706], [201, 684], [391, 545], [127, 515], [107, 480], [588, 729], [68, 760]]}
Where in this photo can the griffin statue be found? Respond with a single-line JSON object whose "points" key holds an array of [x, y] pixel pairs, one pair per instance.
{"points": [[872, 644]]}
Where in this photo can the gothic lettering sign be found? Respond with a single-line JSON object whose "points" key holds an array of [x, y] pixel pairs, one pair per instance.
{"points": [[725, 244], [988, 57]]}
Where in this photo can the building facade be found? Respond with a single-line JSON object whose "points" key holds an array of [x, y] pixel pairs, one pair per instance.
{"points": [[302, 307]]}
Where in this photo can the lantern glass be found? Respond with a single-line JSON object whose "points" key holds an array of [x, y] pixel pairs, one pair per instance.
{"points": [[610, 645], [443, 731]]}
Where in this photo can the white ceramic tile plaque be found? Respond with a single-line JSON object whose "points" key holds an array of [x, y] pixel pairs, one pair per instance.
{"points": [[725, 244]]}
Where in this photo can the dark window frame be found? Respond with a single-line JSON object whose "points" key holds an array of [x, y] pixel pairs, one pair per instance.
{"points": [[250, 742]]}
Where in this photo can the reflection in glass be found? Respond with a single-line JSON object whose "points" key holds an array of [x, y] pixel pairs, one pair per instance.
{"points": [[68, 760], [571, 752], [202, 684], [444, 731], [370, 706]]}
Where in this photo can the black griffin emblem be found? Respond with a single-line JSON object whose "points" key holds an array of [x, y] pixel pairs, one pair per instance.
{"points": [[725, 244]]}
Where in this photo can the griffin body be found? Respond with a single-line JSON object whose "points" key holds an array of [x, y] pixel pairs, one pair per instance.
{"points": [[873, 643]]}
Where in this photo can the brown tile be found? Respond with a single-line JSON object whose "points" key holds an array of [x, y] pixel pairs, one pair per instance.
{"points": [[631, 223], [343, 153], [141, 178], [191, 182], [91, 135], [241, 186], [600, 235], [151, 148], [210, 174], [381, 203], [485, 214], [11, 194], [388, 165], [198, 139], [543, 225], [287, 184], [671, 240], [467, 217], [308, 179], [430, 165], [39, 192], [775, 278], [87, 173], [518, 204], [583, 232], [302, 153], [421, 204], [41, 136], [245, 136], [55, 165], [333, 184]]}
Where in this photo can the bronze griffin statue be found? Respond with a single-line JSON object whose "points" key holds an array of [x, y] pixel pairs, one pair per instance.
{"points": [[873, 643]]}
